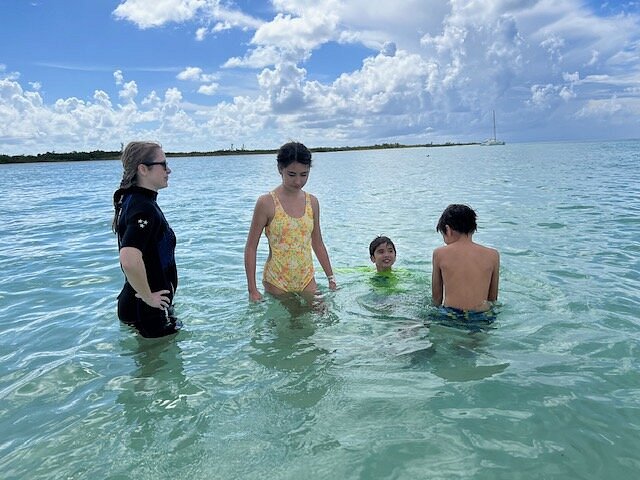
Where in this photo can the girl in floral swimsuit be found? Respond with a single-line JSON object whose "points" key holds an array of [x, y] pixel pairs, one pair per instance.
{"points": [[290, 218]]}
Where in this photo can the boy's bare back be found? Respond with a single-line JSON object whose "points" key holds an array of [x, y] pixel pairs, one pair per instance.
{"points": [[465, 275]]}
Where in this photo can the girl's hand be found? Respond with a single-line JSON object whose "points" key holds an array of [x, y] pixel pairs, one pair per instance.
{"points": [[255, 296]]}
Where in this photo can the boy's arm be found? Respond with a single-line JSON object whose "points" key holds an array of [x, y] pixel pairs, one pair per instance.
{"points": [[436, 280], [495, 277]]}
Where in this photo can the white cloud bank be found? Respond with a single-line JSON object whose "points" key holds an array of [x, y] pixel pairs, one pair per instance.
{"points": [[551, 70]]}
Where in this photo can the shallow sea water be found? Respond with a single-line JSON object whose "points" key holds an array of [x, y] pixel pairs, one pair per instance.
{"points": [[369, 386]]}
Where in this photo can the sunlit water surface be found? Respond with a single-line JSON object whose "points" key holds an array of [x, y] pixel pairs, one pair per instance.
{"points": [[369, 385]]}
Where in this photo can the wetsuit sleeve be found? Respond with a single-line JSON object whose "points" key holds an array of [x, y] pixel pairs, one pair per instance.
{"points": [[139, 229]]}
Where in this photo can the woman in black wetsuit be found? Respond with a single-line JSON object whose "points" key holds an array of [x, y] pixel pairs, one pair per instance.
{"points": [[146, 242]]}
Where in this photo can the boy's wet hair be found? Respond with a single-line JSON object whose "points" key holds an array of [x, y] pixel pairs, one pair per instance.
{"points": [[293, 152], [379, 240], [460, 218]]}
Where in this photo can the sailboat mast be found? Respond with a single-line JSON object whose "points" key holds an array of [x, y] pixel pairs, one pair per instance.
{"points": [[494, 125]]}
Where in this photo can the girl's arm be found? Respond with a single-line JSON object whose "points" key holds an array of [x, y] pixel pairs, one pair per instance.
{"points": [[318, 244], [258, 222]]}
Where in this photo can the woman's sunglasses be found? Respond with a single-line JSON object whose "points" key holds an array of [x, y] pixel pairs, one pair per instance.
{"points": [[151, 164]]}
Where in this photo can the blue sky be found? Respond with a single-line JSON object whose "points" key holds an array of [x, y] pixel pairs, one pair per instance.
{"points": [[78, 75]]}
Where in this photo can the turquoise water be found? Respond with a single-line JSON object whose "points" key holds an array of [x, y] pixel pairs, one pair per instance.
{"points": [[368, 386]]}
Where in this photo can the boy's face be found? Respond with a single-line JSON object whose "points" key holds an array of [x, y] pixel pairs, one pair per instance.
{"points": [[384, 256]]}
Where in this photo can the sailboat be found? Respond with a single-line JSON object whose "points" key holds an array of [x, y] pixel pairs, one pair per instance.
{"points": [[493, 140]]}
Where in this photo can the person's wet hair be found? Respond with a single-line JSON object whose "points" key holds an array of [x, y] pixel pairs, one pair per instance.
{"points": [[293, 152], [460, 218], [379, 240]]}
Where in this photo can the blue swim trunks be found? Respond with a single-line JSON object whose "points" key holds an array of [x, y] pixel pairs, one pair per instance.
{"points": [[487, 316], [470, 319]]}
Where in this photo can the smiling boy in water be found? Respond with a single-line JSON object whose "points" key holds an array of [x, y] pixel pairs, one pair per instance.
{"points": [[383, 253], [465, 274]]}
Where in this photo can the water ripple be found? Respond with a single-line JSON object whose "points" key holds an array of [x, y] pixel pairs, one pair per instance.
{"points": [[367, 386]]}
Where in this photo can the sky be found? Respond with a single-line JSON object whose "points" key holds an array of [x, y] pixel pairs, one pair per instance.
{"points": [[204, 75]]}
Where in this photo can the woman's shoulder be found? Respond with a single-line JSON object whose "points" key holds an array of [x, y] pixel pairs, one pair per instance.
{"points": [[137, 203]]}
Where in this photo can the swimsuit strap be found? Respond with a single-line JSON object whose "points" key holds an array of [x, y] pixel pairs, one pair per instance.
{"points": [[276, 201], [307, 205]]}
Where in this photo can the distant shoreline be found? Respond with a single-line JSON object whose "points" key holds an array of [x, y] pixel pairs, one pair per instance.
{"points": [[52, 157]]}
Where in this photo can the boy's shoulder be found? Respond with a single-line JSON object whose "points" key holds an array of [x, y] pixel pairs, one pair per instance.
{"points": [[488, 254], [488, 250], [441, 252], [441, 248]]}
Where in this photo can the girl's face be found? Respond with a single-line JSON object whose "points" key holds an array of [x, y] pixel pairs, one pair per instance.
{"points": [[294, 176]]}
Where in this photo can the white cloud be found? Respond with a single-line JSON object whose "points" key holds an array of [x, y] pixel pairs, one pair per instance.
{"points": [[434, 71], [74, 124], [265, 56], [388, 49], [129, 91], [201, 33], [208, 77], [102, 98], [221, 26], [542, 95], [283, 87], [571, 77], [190, 73], [600, 108], [210, 89], [567, 93], [154, 13], [8, 75], [304, 33], [152, 100], [195, 74]]}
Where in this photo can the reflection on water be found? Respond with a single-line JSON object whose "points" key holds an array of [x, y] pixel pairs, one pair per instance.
{"points": [[358, 383], [282, 340], [159, 412], [458, 353], [460, 348]]}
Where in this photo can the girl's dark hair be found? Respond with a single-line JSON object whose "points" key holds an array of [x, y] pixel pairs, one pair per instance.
{"points": [[460, 218], [379, 240], [293, 152]]}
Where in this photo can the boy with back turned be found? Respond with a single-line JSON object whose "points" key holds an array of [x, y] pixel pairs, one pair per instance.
{"points": [[465, 274]]}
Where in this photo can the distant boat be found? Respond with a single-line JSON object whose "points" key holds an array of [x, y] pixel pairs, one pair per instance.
{"points": [[494, 140]]}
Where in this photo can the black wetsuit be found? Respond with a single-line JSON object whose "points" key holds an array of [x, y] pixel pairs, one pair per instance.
{"points": [[142, 225]]}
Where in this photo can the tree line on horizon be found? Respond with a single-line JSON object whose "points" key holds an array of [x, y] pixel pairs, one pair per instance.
{"points": [[114, 155]]}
